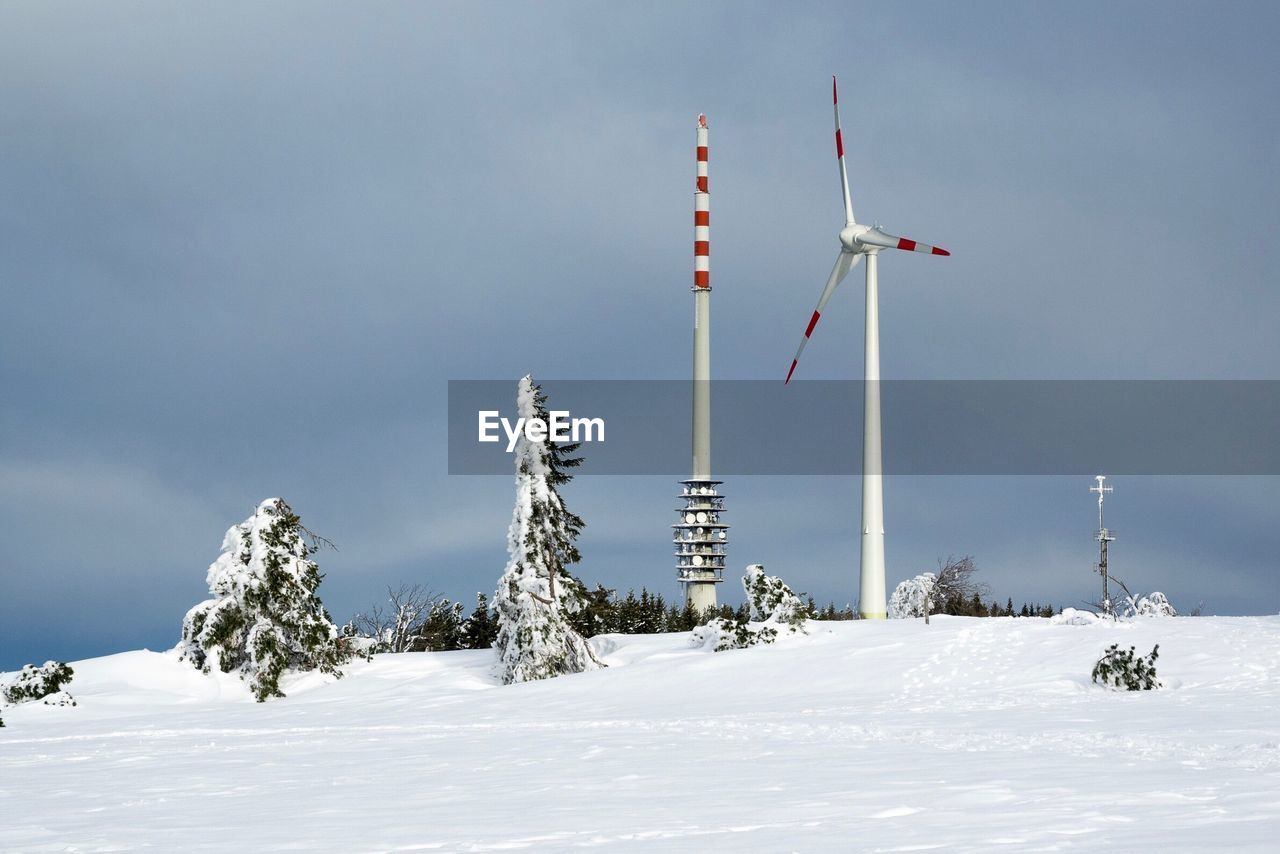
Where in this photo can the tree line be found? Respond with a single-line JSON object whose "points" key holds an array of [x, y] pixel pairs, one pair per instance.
{"points": [[415, 620]]}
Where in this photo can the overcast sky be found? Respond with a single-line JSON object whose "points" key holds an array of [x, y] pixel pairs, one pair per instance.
{"points": [[243, 248]]}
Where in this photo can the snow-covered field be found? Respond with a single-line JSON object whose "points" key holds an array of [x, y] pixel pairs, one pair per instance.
{"points": [[964, 735]]}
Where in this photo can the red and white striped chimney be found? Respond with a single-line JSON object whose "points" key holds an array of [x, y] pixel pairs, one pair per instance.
{"points": [[702, 215]]}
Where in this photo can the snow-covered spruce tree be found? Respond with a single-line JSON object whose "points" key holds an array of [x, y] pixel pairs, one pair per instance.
{"points": [[913, 597], [536, 595], [772, 600], [773, 607], [480, 629], [442, 629], [264, 617]]}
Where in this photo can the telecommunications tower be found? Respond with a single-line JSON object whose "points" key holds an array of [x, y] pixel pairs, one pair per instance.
{"points": [[1104, 536], [700, 537]]}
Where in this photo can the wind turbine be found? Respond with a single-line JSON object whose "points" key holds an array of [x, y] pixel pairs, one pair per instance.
{"points": [[857, 240]]}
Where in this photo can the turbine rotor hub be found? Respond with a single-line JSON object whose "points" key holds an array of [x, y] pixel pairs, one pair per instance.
{"points": [[849, 238]]}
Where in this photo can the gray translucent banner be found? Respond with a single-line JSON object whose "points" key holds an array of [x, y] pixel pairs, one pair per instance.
{"points": [[965, 427]]}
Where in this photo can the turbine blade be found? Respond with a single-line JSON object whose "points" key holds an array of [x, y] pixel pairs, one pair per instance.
{"points": [[876, 237], [844, 264], [844, 174]]}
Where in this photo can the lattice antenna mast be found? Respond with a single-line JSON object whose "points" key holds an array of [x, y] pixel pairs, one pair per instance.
{"points": [[1104, 537]]}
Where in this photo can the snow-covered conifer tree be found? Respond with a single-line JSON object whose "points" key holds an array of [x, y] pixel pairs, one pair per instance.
{"points": [[771, 606], [480, 629], [913, 597], [771, 599], [1155, 605], [264, 617], [536, 594], [442, 629]]}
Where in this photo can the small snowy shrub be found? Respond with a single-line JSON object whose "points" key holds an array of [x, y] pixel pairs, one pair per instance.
{"points": [[912, 597], [1124, 670], [264, 617], [773, 607], [722, 634], [37, 683], [1155, 605], [359, 645]]}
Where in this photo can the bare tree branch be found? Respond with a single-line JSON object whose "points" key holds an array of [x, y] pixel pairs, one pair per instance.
{"points": [[955, 581], [317, 542], [398, 628]]}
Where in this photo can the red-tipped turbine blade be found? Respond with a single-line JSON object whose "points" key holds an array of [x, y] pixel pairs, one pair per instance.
{"points": [[844, 264], [844, 174], [908, 245], [876, 237]]}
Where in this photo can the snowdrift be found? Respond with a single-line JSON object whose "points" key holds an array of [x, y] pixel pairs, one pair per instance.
{"points": [[962, 735]]}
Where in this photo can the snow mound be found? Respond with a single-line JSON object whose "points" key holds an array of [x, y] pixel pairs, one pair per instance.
{"points": [[1072, 617]]}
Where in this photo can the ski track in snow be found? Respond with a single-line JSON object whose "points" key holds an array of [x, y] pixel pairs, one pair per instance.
{"points": [[965, 735]]}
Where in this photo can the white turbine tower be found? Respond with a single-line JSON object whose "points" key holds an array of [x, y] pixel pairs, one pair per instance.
{"points": [[857, 240]]}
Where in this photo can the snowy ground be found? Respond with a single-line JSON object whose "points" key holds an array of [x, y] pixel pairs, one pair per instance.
{"points": [[964, 735]]}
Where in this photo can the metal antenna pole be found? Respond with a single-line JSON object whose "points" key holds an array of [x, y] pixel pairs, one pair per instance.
{"points": [[1104, 537]]}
